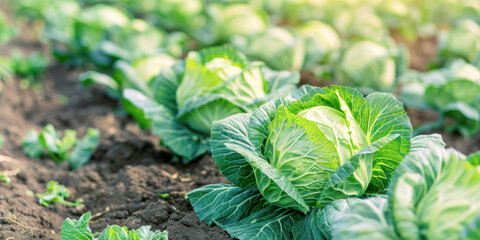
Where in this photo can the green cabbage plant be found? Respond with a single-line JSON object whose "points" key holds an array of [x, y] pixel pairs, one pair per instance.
{"points": [[461, 41], [294, 155], [209, 85], [278, 47], [371, 66], [453, 91], [433, 195]]}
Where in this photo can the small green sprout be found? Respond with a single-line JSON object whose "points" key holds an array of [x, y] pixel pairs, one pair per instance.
{"points": [[56, 194]]}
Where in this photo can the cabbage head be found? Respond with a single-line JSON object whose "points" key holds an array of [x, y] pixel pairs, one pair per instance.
{"points": [[209, 85], [294, 155], [360, 23], [371, 66], [235, 19], [278, 47]]}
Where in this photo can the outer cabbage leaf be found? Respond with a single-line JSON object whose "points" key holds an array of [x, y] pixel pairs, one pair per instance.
{"points": [[128, 77], [233, 130], [140, 107], [179, 138], [269, 223], [385, 116], [77, 229], [166, 83], [427, 142], [125, 75], [364, 220], [199, 115], [113, 88], [223, 203], [310, 227], [329, 213], [280, 83], [242, 213], [434, 195]]}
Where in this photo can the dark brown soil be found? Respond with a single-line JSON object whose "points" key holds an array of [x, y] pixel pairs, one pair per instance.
{"points": [[120, 185], [125, 175]]}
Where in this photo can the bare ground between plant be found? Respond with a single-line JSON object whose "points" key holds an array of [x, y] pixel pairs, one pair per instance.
{"points": [[120, 184]]}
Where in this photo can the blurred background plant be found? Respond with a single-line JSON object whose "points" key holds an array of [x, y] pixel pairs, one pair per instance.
{"points": [[359, 43]]}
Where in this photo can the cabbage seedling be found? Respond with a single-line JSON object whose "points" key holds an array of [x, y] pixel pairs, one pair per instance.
{"points": [[56, 194], [67, 148], [79, 230]]}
